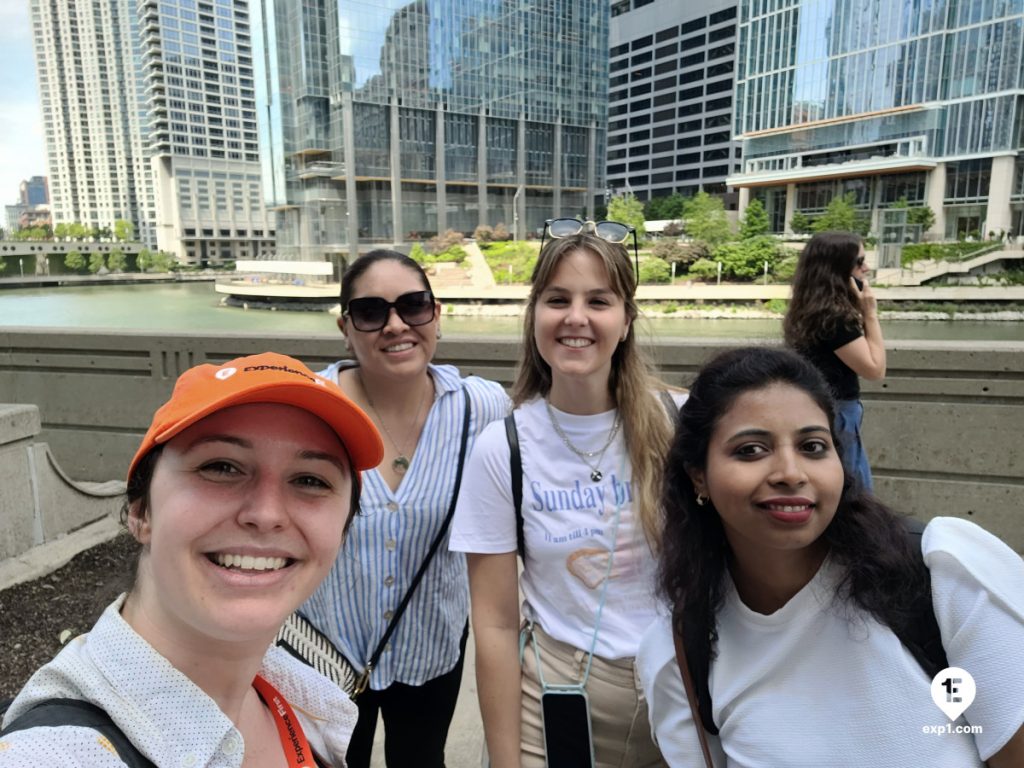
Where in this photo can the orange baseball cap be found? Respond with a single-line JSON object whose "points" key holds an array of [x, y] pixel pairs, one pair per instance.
{"points": [[264, 378]]}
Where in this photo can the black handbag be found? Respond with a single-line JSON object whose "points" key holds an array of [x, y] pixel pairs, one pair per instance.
{"points": [[303, 640]]}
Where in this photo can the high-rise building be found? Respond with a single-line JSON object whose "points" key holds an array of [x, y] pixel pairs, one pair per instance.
{"points": [[198, 78], [93, 113], [150, 117], [888, 99], [394, 120], [34, 191], [670, 99]]}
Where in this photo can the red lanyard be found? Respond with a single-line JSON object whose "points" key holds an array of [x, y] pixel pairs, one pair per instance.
{"points": [[296, 747]]}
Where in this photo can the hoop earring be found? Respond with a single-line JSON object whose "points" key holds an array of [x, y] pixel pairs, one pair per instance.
{"points": [[702, 499]]}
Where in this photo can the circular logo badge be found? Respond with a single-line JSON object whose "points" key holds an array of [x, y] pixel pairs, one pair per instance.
{"points": [[225, 373]]}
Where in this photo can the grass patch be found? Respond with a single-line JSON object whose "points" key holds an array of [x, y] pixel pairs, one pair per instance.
{"points": [[510, 261]]}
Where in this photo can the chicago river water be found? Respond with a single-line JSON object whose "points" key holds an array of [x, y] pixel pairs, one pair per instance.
{"points": [[196, 307]]}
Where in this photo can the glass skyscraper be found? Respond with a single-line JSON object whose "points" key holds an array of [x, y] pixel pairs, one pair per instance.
{"points": [[202, 138], [390, 121], [887, 99]]}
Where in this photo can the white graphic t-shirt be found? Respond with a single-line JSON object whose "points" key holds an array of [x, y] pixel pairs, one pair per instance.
{"points": [[568, 527]]}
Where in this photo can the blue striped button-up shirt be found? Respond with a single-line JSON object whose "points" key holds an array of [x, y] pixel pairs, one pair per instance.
{"points": [[389, 539]]}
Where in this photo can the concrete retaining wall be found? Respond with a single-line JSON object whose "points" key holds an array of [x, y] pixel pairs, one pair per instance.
{"points": [[38, 501], [943, 431]]}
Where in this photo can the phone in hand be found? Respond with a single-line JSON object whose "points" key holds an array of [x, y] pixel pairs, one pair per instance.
{"points": [[859, 283], [568, 740]]}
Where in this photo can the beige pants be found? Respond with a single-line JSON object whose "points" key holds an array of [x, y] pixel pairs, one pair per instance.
{"points": [[618, 710]]}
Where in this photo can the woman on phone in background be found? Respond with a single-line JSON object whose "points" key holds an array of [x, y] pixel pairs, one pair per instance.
{"points": [[592, 433], [390, 320], [833, 321]]}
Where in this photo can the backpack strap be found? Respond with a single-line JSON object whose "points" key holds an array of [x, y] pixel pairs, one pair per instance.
{"points": [[61, 712], [516, 467], [921, 634], [692, 698], [670, 406]]}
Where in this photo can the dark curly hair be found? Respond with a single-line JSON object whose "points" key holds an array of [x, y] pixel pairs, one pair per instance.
{"points": [[823, 300], [881, 574]]}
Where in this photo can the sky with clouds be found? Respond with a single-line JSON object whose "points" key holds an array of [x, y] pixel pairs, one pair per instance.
{"points": [[22, 151]]}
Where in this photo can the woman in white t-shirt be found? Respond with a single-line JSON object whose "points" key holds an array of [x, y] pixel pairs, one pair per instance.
{"points": [[804, 604], [592, 433]]}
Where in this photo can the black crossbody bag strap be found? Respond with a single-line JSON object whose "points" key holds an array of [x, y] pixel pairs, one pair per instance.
{"points": [[62, 712], [375, 656], [516, 468]]}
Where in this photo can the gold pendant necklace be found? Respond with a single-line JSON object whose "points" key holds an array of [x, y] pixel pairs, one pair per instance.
{"points": [[400, 464]]}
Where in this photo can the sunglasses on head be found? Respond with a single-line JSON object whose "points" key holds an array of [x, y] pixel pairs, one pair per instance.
{"points": [[370, 313], [611, 231]]}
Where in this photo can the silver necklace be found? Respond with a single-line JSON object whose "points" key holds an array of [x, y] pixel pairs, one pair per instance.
{"points": [[585, 456], [400, 464]]}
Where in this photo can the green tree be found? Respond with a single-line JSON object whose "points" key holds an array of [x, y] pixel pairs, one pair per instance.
{"points": [[665, 207], [116, 261], [655, 270], [704, 269], [124, 230], [922, 215], [841, 216], [801, 223], [745, 259], [786, 266], [163, 261], [77, 230], [705, 219], [755, 220], [96, 262], [60, 231], [144, 260], [74, 260], [628, 210]]}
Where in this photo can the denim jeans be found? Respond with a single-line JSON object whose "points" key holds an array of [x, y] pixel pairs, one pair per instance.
{"points": [[849, 417]]}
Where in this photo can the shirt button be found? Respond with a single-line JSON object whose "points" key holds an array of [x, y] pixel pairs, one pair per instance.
{"points": [[391, 544], [392, 506], [230, 745], [389, 581], [189, 760], [388, 615], [388, 647]]}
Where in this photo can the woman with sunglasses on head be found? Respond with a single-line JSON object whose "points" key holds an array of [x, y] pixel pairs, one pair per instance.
{"points": [[390, 320], [239, 494], [591, 429], [833, 321], [813, 620]]}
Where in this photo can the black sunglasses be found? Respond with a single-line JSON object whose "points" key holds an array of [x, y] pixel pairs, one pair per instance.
{"points": [[370, 313], [860, 261], [611, 231]]}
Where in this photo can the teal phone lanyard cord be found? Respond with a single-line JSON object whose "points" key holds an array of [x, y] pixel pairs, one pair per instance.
{"points": [[581, 686]]}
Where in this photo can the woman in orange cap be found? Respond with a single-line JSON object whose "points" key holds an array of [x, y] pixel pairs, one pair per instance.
{"points": [[240, 495]]}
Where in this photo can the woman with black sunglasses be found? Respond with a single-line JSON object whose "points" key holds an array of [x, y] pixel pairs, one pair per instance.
{"points": [[591, 429], [390, 320], [833, 321]]}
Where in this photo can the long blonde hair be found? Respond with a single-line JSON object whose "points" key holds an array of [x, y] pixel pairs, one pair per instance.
{"points": [[631, 384]]}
